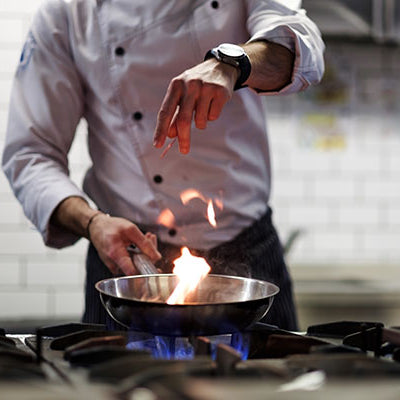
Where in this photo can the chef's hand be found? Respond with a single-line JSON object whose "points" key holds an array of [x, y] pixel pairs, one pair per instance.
{"points": [[112, 235], [203, 91]]}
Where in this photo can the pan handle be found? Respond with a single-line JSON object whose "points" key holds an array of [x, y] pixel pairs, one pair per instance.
{"points": [[141, 261]]}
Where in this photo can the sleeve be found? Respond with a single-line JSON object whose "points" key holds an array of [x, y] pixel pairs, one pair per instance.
{"points": [[284, 23], [46, 106]]}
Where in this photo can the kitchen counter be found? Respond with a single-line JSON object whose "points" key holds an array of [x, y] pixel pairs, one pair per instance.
{"points": [[329, 292]]}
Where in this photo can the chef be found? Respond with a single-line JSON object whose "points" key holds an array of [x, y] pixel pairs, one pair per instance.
{"points": [[143, 74]]}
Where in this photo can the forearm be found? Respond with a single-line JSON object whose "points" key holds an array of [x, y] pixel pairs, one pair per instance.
{"points": [[73, 214], [271, 65], [109, 235]]}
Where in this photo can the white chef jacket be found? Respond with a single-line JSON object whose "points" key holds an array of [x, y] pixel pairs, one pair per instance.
{"points": [[110, 62]]}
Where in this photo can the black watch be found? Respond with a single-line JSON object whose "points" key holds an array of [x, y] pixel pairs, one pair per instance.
{"points": [[234, 55]]}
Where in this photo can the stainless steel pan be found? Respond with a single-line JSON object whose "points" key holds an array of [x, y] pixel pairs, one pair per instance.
{"points": [[220, 305]]}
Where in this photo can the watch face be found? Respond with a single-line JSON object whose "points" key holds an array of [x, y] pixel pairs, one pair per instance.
{"points": [[231, 50]]}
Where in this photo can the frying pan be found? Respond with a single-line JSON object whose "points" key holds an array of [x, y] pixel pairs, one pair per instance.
{"points": [[220, 305]]}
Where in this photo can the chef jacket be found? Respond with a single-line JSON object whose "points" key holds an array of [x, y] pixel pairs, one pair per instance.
{"points": [[110, 62]]}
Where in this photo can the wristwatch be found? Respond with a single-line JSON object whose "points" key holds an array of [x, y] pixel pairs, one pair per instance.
{"points": [[234, 55]]}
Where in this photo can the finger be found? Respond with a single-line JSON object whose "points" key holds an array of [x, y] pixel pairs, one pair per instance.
{"points": [[125, 264], [152, 237], [118, 261], [112, 266], [173, 130], [202, 110], [216, 106], [166, 113], [184, 122], [145, 245]]}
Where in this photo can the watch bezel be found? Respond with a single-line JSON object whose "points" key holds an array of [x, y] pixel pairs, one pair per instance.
{"points": [[231, 50]]}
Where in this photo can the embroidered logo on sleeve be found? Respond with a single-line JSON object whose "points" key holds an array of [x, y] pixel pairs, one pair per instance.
{"points": [[27, 51]]}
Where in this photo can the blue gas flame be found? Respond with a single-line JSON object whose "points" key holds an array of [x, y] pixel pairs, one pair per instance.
{"points": [[180, 348]]}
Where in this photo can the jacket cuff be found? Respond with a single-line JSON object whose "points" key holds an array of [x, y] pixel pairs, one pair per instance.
{"points": [[308, 66]]}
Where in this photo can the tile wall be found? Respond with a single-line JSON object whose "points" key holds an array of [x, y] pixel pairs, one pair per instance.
{"points": [[35, 282], [336, 167], [335, 151]]}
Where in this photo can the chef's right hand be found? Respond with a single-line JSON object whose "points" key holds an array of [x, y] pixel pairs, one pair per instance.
{"points": [[112, 235]]}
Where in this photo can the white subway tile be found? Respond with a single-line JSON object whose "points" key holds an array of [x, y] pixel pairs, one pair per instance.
{"points": [[394, 161], [311, 160], [301, 248], [393, 215], [11, 30], [333, 242], [359, 215], [353, 161], [286, 186], [79, 154], [20, 6], [383, 241], [5, 90], [327, 259], [281, 132], [69, 304], [375, 140], [4, 185], [305, 215], [79, 249], [3, 126], [280, 213], [23, 242], [383, 188], [54, 272], [77, 174], [82, 130], [9, 271], [23, 303], [335, 188], [10, 213], [9, 60]]}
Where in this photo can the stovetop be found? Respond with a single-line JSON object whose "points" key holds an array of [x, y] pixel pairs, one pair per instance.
{"points": [[345, 358]]}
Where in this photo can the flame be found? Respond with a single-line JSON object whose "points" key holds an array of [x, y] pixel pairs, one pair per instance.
{"points": [[191, 270], [219, 203], [166, 218], [211, 214], [190, 194]]}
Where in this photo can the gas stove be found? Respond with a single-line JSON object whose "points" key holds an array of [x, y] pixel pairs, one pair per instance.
{"points": [[346, 358]]}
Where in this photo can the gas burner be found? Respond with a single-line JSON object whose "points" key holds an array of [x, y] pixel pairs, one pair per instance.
{"points": [[120, 364]]}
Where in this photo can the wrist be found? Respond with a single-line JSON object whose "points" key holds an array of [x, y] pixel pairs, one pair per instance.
{"points": [[235, 56], [230, 72], [92, 218]]}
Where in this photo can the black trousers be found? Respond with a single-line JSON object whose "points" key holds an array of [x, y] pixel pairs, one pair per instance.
{"points": [[254, 253]]}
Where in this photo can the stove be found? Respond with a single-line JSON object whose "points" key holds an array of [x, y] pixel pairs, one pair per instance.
{"points": [[352, 359]]}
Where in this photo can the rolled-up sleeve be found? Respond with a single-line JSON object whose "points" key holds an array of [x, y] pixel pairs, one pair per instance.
{"points": [[274, 21], [45, 108]]}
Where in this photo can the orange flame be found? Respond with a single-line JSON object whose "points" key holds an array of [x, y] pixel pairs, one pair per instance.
{"points": [[219, 204], [191, 270], [190, 194], [166, 218], [211, 214]]}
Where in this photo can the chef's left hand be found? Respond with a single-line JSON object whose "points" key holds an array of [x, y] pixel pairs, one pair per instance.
{"points": [[198, 93]]}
